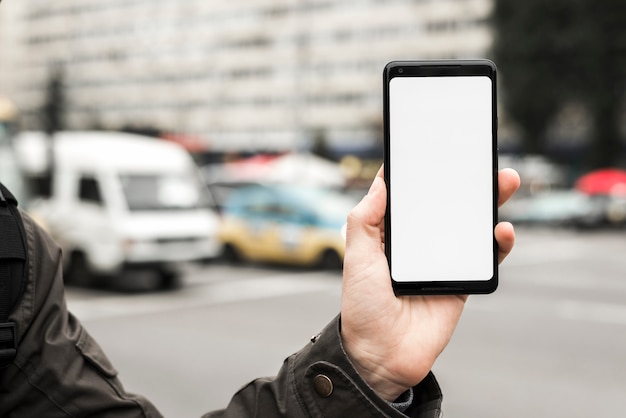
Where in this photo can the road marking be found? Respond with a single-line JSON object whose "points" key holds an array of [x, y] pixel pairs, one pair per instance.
{"points": [[202, 296]]}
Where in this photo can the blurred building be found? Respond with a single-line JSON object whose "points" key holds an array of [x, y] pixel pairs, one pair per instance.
{"points": [[240, 74]]}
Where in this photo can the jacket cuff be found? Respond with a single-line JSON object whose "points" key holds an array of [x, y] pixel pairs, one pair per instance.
{"points": [[327, 384]]}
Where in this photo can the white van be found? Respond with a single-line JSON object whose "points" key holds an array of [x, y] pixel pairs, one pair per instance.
{"points": [[121, 201]]}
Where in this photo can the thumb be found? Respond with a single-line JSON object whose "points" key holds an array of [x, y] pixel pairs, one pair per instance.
{"points": [[365, 226]]}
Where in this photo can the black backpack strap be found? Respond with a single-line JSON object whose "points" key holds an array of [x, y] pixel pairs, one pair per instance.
{"points": [[13, 271]]}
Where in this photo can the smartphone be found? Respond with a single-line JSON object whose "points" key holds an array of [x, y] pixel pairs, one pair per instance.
{"points": [[441, 170]]}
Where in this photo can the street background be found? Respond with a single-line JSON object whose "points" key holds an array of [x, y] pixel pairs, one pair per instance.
{"points": [[549, 342], [289, 92]]}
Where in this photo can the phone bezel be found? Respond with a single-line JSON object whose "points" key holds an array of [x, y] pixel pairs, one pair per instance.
{"points": [[438, 68]]}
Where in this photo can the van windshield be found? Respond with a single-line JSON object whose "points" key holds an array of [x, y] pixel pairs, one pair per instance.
{"points": [[164, 192]]}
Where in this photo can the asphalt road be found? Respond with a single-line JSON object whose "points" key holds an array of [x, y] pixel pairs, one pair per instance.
{"points": [[551, 342]]}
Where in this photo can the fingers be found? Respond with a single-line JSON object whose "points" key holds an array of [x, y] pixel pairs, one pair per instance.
{"points": [[508, 183], [505, 235]]}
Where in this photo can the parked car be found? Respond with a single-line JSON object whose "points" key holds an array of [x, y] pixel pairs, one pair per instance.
{"points": [[287, 224], [120, 202], [563, 208], [221, 190]]}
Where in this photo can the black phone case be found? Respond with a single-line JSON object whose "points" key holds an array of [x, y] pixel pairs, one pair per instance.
{"points": [[440, 68]]}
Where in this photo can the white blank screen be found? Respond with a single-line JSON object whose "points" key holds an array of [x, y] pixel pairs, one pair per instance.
{"points": [[440, 162]]}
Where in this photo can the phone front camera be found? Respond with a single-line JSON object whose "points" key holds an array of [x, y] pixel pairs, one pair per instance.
{"points": [[400, 70]]}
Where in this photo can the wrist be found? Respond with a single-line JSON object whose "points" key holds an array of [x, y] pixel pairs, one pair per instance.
{"points": [[383, 386], [370, 368]]}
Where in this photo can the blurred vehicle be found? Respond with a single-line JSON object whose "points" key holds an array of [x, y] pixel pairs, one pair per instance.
{"points": [[565, 208], [606, 181], [304, 168], [221, 190], [120, 202], [10, 172], [286, 224], [539, 173], [607, 188]]}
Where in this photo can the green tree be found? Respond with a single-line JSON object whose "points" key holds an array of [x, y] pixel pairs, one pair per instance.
{"points": [[605, 66], [551, 53]]}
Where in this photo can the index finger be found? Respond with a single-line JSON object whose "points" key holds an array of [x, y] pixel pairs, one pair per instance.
{"points": [[508, 183]]}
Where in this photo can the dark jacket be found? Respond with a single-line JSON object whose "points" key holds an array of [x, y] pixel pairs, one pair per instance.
{"points": [[60, 371], [319, 381]]}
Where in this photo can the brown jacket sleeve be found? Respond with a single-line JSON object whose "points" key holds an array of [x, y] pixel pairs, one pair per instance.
{"points": [[59, 369], [320, 381]]}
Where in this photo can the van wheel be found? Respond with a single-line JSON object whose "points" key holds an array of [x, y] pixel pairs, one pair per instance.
{"points": [[169, 280], [231, 255], [78, 272], [330, 260]]}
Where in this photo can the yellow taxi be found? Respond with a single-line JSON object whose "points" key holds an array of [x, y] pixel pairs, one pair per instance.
{"points": [[286, 224]]}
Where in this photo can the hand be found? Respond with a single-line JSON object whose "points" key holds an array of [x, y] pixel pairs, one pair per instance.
{"points": [[394, 341]]}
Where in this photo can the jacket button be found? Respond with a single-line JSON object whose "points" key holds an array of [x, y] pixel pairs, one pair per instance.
{"points": [[323, 385]]}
